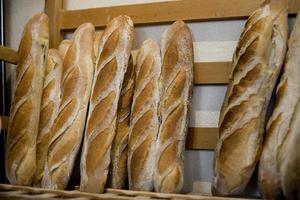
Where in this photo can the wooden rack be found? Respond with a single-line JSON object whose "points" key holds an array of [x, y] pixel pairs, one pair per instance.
{"points": [[23, 192], [205, 73]]}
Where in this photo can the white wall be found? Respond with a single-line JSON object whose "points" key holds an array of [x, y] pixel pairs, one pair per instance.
{"points": [[213, 44]]}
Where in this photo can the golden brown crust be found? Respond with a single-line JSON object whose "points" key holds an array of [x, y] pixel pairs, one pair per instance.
{"points": [[67, 131], [98, 36], [288, 93], [289, 165], [24, 114], [256, 66], [120, 144], [144, 122], [63, 48], [176, 85], [111, 64], [49, 109]]}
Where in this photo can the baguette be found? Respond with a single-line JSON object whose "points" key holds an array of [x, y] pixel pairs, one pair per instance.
{"points": [[144, 120], [119, 152], [67, 131], [288, 93], [20, 157], [256, 65], [98, 36], [49, 109], [289, 165], [63, 48], [114, 50], [176, 90]]}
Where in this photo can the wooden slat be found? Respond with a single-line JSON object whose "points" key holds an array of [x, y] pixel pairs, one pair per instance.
{"points": [[8, 55], [161, 12], [53, 8], [204, 72], [167, 196], [202, 138], [211, 72], [3, 122], [60, 194], [197, 138], [119, 194]]}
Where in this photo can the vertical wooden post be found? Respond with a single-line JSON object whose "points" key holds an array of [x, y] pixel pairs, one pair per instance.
{"points": [[53, 8]]}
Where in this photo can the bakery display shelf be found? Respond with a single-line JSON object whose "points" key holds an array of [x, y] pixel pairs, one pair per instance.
{"points": [[25, 192], [197, 138], [151, 13], [61, 20], [8, 55], [204, 73]]}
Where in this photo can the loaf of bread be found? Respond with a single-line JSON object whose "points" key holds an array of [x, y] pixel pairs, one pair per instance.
{"points": [[290, 162], [114, 51], [98, 36], [144, 119], [20, 154], [176, 90], [49, 109], [256, 65], [68, 128], [119, 150], [287, 95], [63, 48]]}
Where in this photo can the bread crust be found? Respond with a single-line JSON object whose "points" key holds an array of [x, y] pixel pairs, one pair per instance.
{"points": [[114, 51], [119, 153], [256, 65], [20, 154], [144, 120], [68, 128], [49, 109], [287, 95], [176, 84], [64, 47], [289, 165], [98, 36]]}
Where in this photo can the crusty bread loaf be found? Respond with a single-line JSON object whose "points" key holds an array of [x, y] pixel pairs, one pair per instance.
{"points": [[98, 36], [68, 128], [63, 48], [114, 50], [20, 155], [289, 165], [119, 150], [256, 65], [49, 109], [288, 93], [176, 89], [144, 119]]}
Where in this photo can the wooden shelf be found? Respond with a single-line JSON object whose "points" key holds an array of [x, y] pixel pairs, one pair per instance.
{"points": [[8, 55], [162, 12], [3, 122], [197, 138], [25, 192], [202, 138], [211, 72], [204, 72]]}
